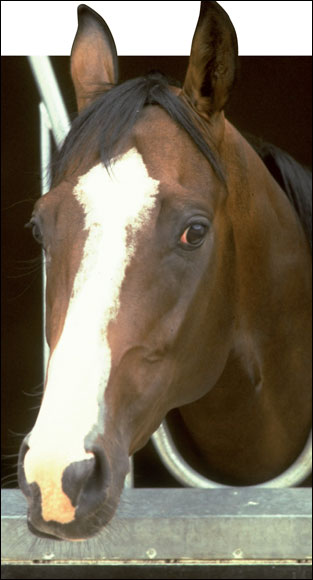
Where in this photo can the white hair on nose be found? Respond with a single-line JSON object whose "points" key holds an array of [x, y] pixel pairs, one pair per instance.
{"points": [[116, 204]]}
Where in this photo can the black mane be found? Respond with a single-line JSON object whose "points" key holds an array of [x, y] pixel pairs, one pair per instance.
{"points": [[294, 179], [98, 133], [101, 129]]}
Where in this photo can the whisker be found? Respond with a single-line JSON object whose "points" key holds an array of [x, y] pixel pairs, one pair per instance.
{"points": [[20, 202], [29, 261], [18, 276], [28, 264], [17, 297], [9, 456], [26, 270], [8, 476], [23, 267], [35, 408], [16, 434], [9, 484], [31, 394], [38, 388]]}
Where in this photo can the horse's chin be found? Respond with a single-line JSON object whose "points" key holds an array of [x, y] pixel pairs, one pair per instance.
{"points": [[80, 529], [74, 532]]}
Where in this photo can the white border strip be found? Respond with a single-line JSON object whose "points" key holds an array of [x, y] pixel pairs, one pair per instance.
{"points": [[264, 28]]}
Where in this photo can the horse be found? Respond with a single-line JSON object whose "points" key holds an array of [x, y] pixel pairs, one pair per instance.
{"points": [[178, 278]]}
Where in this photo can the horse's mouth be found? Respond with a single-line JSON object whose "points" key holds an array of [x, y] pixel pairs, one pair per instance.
{"points": [[79, 504], [40, 534], [84, 526], [76, 531]]}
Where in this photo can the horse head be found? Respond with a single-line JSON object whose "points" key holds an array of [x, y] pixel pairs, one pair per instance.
{"points": [[142, 268]]}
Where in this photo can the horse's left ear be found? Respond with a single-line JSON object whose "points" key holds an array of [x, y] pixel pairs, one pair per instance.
{"points": [[94, 63], [213, 61]]}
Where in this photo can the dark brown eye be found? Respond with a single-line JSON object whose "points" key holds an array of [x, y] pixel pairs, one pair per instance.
{"points": [[194, 235], [33, 225]]}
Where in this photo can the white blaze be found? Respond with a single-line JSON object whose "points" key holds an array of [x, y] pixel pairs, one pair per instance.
{"points": [[115, 204]]}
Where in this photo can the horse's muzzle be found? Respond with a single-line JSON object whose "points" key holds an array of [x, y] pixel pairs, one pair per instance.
{"points": [[78, 506]]}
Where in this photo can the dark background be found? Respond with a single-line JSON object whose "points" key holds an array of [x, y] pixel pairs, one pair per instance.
{"points": [[272, 99]]}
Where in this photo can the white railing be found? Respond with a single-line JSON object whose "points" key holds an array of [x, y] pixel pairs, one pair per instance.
{"points": [[51, 97]]}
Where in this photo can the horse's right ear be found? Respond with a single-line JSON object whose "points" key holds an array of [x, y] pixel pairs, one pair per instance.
{"points": [[94, 58], [213, 61]]}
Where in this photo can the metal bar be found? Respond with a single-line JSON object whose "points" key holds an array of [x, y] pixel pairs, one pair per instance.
{"points": [[45, 148], [51, 96], [185, 474], [129, 479], [45, 160], [181, 524]]}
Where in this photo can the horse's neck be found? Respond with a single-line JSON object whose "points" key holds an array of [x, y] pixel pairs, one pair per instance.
{"points": [[254, 422]]}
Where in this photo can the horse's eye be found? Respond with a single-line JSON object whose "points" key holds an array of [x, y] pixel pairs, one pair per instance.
{"points": [[194, 235], [35, 230]]}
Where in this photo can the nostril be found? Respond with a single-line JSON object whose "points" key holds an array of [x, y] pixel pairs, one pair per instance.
{"points": [[101, 473], [75, 477], [62, 494], [85, 482]]}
